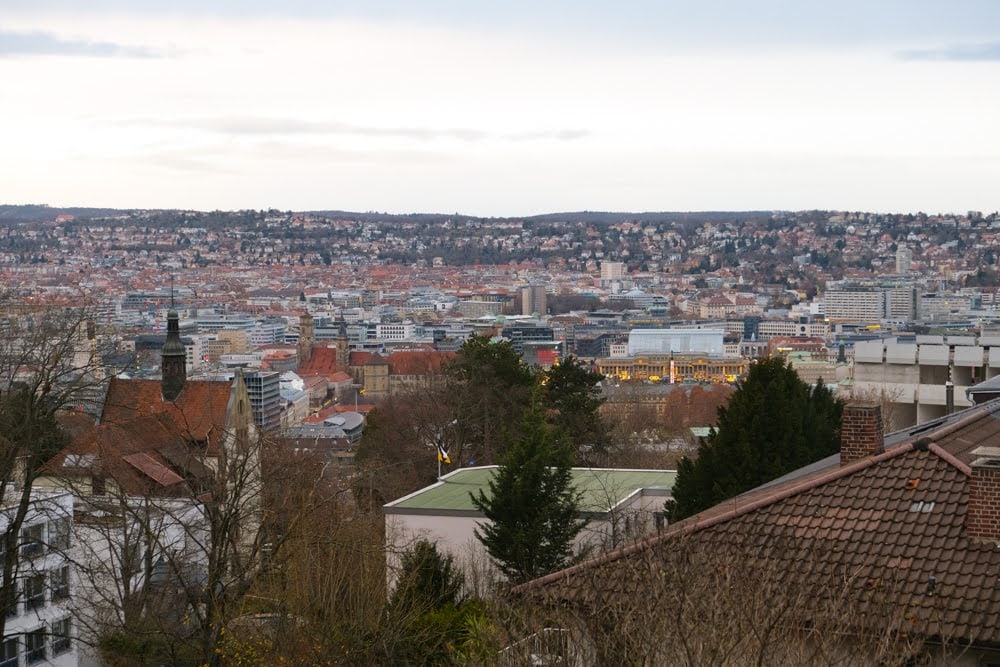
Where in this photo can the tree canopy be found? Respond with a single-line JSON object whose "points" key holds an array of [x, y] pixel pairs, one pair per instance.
{"points": [[531, 506], [774, 423], [489, 390], [572, 393]]}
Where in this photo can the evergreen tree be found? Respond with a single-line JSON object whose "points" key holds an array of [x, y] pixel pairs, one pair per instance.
{"points": [[427, 579], [774, 423], [572, 392], [490, 389], [531, 505], [426, 609]]}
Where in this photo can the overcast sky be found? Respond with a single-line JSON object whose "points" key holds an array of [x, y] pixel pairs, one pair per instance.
{"points": [[502, 108]]}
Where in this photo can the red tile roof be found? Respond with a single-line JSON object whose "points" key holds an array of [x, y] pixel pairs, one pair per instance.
{"points": [[129, 453], [322, 361], [199, 410], [418, 363], [895, 522]]}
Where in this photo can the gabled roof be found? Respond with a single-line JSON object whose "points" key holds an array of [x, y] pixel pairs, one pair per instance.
{"points": [[376, 359], [199, 409], [321, 361], [131, 454], [418, 363], [895, 517]]}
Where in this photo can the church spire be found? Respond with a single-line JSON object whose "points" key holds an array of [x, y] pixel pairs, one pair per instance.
{"points": [[174, 358]]}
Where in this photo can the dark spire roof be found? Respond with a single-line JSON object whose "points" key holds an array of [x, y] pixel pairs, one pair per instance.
{"points": [[174, 359]]}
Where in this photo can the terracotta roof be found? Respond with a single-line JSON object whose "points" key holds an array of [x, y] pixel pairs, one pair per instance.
{"points": [[894, 522], [418, 363], [131, 454], [376, 359], [199, 409], [359, 358], [322, 361]]}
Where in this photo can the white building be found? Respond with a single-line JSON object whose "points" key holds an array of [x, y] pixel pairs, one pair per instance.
{"points": [[675, 341], [913, 375], [619, 505], [41, 628]]}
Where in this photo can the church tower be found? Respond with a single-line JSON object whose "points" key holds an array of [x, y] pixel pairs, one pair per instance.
{"points": [[343, 347], [306, 336], [174, 359]]}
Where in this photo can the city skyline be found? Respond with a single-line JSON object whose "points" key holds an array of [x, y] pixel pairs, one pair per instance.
{"points": [[512, 110]]}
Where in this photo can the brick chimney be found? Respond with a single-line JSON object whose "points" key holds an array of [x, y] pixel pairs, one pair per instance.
{"points": [[860, 432], [984, 494]]}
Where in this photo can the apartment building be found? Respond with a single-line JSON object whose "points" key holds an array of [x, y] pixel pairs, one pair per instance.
{"points": [[40, 627], [924, 377]]}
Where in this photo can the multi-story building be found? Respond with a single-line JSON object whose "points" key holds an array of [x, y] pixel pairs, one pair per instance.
{"points": [[264, 389], [923, 377], [533, 300], [40, 628], [675, 341], [904, 258], [854, 305], [611, 271], [268, 333], [673, 368], [519, 334], [213, 323]]}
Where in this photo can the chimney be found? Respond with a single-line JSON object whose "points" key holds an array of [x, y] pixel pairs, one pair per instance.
{"points": [[983, 518], [860, 432], [949, 397]]}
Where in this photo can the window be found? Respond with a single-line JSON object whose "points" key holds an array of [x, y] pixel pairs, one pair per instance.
{"points": [[8, 653], [12, 609], [34, 592], [34, 646], [62, 636], [60, 583], [59, 534], [32, 543]]}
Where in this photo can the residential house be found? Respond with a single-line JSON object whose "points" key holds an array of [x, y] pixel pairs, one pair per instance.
{"points": [[143, 475], [887, 551]]}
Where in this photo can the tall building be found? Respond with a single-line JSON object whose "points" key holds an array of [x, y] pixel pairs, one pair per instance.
{"points": [[904, 256], [533, 300], [854, 305], [612, 271], [264, 389]]}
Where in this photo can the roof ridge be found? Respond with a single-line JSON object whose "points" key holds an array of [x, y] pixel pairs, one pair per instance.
{"points": [[949, 458], [691, 524]]}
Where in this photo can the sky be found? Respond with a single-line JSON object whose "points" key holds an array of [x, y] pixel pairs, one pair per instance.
{"points": [[502, 108]]}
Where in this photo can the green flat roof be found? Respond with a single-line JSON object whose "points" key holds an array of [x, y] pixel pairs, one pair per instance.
{"points": [[602, 488]]}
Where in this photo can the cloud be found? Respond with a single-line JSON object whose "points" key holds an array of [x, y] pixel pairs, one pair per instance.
{"points": [[969, 52], [261, 126], [38, 43]]}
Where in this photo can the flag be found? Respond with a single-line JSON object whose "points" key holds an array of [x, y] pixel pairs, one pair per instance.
{"points": [[443, 455]]}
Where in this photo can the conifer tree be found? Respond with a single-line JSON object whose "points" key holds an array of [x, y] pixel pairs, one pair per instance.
{"points": [[774, 423], [572, 393], [531, 506]]}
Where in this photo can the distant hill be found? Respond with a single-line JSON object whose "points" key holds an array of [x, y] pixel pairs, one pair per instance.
{"points": [[18, 213]]}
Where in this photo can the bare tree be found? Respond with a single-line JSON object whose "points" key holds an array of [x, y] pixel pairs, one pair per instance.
{"points": [[50, 360]]}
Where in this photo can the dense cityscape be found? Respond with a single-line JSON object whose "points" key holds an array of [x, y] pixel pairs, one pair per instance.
{"points": [[233, 422]]}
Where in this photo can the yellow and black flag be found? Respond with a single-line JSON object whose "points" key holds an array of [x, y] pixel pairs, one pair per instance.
{"points": [[443, 455]]}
